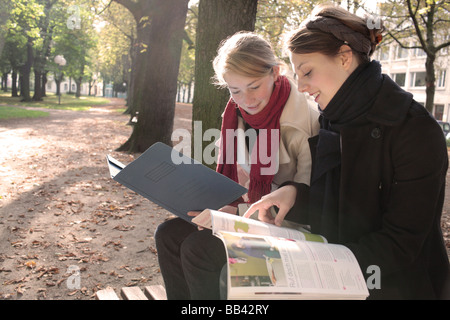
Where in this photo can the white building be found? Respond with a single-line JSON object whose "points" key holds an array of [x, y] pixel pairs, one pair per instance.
{"points": [[66, 84], [407, 68], [96, 88]]}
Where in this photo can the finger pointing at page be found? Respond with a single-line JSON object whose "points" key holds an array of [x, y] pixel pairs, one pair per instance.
{"points": [[282, 198], [262, 207]]}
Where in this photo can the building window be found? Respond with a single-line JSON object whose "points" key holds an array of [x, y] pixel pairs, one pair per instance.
{"points": [[399, 78], [442, 74], [438, 111], [49, 85], [419, 52], [66, 87], [384, 53], [401, 53], [418, 79], [445, 50]]}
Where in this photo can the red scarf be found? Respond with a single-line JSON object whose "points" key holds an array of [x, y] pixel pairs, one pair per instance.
{"points": [[268, 118]]}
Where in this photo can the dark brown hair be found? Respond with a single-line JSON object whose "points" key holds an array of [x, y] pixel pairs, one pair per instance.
{"points": [[330, 27]]}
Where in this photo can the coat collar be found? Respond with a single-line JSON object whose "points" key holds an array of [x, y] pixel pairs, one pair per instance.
{"points": [[391, 105]]}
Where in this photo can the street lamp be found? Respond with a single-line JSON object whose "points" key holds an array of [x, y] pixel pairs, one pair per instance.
{"points": [[61, 62]]}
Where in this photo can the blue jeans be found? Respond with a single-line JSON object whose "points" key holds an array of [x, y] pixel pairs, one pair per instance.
{"points": [[191, 261]]}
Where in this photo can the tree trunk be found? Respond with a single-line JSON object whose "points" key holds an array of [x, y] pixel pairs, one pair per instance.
{"points": [[155, 96], [430, 77], [139, 51], [430, 80], [78, 84], [44, 84], [217, 20], [37, 84], [14, 84], [25, 73], [5, 82]]}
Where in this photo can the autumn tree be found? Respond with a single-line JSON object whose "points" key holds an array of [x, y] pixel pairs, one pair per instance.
{"points": [[276, 17], [22, 31], [160, 31], [425, 22], [117, 49], [217, 20], [187, 64], [41, 48], [5, 7]]}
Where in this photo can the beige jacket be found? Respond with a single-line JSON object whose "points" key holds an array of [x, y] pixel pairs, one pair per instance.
{"points": [[298, 122]]}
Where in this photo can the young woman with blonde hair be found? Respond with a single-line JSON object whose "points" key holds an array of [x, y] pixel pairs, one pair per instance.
{"points": [[263, 102]]}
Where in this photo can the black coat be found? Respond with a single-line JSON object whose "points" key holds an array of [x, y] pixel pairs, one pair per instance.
{"points": [[391, 192]]}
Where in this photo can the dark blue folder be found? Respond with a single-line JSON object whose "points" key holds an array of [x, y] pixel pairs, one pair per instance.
{"points": [[174, 181]]}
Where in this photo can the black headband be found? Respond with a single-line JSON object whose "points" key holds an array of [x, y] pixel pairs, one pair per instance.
{"points": [[354, 39]]}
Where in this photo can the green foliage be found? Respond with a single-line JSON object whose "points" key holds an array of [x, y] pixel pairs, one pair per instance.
{"points": [[7, 112], [116, 30], [277, 17]]}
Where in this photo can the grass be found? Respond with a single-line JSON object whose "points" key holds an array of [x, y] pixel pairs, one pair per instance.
{"points": [[7, 112], [68, 101]]}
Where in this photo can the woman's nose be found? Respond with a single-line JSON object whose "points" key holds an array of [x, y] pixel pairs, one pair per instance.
{"points": [[302, 86], [249, 99]]}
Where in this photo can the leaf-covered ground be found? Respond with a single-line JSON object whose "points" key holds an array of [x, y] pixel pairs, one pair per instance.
{"points": [[66, 228]]}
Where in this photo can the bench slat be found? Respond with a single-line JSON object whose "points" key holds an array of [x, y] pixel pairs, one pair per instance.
{"points": [[133, 293], [156, 292], [106, 294]]}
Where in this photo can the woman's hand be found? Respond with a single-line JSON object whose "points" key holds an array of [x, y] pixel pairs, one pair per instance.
{"points": [[283, 198]]}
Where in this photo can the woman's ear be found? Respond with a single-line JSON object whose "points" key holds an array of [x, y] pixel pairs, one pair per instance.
{"points": [[276, 72], [347, 58]]}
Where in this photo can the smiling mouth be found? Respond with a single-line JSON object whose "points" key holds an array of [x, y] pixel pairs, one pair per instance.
{"points": [[315, 96], [253, 107]]}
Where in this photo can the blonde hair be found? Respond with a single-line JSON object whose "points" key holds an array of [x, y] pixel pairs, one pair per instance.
{"points": [[329, 28], [246, 54]]}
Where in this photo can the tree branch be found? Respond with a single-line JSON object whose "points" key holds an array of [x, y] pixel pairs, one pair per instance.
{"points": [[443, 45], [106, 7], [401, 44], [416, 26]]}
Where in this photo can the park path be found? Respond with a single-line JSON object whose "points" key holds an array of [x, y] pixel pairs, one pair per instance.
{"points": [[67, 229]]}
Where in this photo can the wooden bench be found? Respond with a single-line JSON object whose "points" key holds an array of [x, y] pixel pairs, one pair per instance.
{"points": [[156, 292]]}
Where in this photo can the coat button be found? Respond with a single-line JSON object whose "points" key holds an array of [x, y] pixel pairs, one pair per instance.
{"points": [[376, 133]]}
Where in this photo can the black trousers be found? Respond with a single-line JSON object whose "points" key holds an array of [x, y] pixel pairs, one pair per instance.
{"points": [[191, 261]]}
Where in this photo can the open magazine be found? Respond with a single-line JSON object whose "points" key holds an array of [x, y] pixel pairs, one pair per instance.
{"points": [[270, 262]]}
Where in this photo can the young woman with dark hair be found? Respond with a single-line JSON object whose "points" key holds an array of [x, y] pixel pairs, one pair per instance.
{"points": [[379, 161]]}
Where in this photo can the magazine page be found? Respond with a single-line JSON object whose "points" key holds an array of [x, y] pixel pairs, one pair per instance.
{"points": [[261, 267], [243, 207], [221, 221]]}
